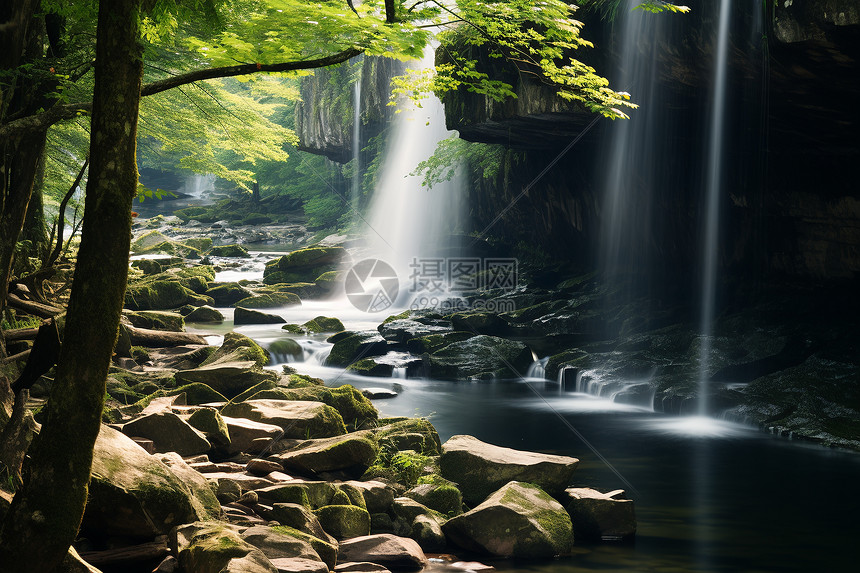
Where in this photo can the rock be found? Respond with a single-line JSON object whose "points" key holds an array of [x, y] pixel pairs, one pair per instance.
{"points": [[378, 393], [229, 251], [238, 347], [428, 533], [323, 324], [276, 544], [311, 494], [285, 350], [168, 565], [169, 433], [298, 565], [481, 357], [260, 467], [384, 549], [226, 294], [243, 432], [227, 491], [408, 509], [330, 281], [134, 494], [160, 295], [204, 313], [300, 517], [352, 453], [304, 265], [353, 567], [298, 419], [72, 563], [194, 480], [378, 496], [155, 320], [479, 468], [210, 422], [444, 498], [597, 515], [227, 378], [246, 316], [344, 521], [519, 520], [216, 548], [272, 300], [402, 330], [349, 346], [409, 434], [326, 551], [198, 393], [480, 323], [434, 342], [356, 410]]}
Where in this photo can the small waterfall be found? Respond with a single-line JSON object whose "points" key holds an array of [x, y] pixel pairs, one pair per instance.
{"points": [[399, 372], [537, 369], [713, 190], [406, 219], [356, 143], [198, 185]]}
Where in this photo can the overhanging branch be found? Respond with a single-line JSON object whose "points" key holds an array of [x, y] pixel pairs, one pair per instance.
{"points": [[62, 112]]}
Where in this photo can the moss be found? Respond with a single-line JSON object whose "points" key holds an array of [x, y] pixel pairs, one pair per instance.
{"points": [[433, 342], [274, 300], [286, 347], [290, 494], [409, 433], [344, 521], [355, 409], [162, 294], [227, 293], [444, 498], [242, 348], [340, 498], [210, 422], [323, 324], [294, 328], [403, 315], [304, 381], [140, 354], [326, 551], [370, 367], [229, 251], [255, 389]]}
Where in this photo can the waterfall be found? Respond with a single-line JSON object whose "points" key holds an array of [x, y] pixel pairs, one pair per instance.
{"points": [[537, 369], [634, 151], [713, 189], [198, 185], [407, 220], [356, 144]]}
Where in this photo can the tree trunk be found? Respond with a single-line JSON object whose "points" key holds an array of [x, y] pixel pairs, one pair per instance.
{"points": [[35, 229], [46, 513]]}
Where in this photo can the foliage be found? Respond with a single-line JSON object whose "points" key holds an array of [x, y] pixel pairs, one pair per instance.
{"points": [[608, 9]]}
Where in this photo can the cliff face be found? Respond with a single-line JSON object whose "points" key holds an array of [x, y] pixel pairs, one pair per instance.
{"points": [[325, 115], [791, 203]]}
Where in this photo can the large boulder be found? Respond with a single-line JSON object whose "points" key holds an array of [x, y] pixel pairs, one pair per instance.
{"points": [[596, 515], [134, 494], [479, 468], [298, 419], [216, 548], [481, 357], [238, 347], [225, 294], [352, 454], [415, 434], [194, 480], [300, 517], [518, 520], [169, 433], [350, 346], [441, 497], [244, 433], [276, 544], [205, 313], [271, 300], [155, 320], [389, 550], [303, 265], [161, 295], [227, 378], [344, 521], [356, 409], [244, 315]]}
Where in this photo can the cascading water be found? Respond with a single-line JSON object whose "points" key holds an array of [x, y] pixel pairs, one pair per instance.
{"points": [[713, 189], [198, 185], [633, 154], [406, 219], [355, 190]]}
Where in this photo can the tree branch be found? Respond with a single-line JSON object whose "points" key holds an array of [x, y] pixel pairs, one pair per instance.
{"points": [[59, 113]]}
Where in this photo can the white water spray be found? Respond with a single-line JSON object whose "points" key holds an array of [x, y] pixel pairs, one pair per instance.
{"points": [[356, 143], [710, 253]]}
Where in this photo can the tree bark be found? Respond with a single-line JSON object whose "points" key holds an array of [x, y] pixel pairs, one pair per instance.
{"points": [[46, 512]]}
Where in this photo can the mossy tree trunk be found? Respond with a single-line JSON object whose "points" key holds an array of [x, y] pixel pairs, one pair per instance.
{"points": [[46, 513]]}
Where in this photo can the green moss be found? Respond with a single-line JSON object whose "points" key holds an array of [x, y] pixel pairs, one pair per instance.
{"points": [[355, 409], [229, 251], [326, 551], [274, 300], [323, 324], [344, 521], [197, 393], [228, 293], [403, 315], [369, 367], [241, 348], [255, 389], [304, 381], [340, 498]]}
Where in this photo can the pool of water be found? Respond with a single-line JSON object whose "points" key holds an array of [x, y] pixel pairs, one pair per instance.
{"points": [[710, 495]]}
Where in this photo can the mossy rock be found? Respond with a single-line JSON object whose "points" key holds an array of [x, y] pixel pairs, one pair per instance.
{"points": [[520, 520], [202, 244], [294, 328], [244, 315], [304, 290], [323, 324], [267, 384], [304, 265], [444, 498], [196, 393], [481, 357], [225, 294], [370, 367], [148, 266], [274, 300], [299, 517], [304, 381], [344, 521], [229, 251], [237, 346], [204, 313], [433, 342], [158, 295], [348, 346], [210, 422], [329, 281], [285, 348], [326, 551], [357, 411], [415, 434], [156, 320], [480, 323], [298, 419], [351, 454]]}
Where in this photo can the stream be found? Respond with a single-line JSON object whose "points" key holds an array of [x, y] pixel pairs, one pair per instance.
{"points": [[710, 495]]}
